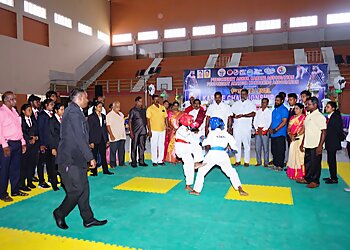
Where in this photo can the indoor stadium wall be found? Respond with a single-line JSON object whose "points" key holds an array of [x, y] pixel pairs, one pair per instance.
{"points": [[135, 16], [159, 15], [40, 49]]}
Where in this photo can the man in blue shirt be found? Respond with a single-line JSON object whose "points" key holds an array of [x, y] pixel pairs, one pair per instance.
{"points": [[278, 131]]}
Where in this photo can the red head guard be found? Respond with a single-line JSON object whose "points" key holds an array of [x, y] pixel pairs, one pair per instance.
{"points": [[186, 119]]}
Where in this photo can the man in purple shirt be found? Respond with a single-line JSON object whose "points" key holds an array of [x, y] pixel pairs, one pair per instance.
{"points": [[12, 145]]}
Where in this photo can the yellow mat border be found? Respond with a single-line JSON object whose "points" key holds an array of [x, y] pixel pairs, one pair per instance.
{"points": [[119, 187], [246, 198], [27, 238]]}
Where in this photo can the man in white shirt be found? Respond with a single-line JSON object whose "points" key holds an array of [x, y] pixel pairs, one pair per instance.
{"points": [[199, 116], [262, 122], [221, 110], [243, 113]]}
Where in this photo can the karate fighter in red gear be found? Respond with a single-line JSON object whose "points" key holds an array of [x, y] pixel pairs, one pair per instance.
{"points": [[188, 149]]}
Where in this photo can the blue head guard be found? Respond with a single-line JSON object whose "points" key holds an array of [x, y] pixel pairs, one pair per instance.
{"points": [[216, 122]]}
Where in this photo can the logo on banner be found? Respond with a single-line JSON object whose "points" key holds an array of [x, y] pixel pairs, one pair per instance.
{"points": [[281, 70], [269, 71], [236, 72], [258, 72], [229, 72], [242, 72], [221, 72], [250, 72]]}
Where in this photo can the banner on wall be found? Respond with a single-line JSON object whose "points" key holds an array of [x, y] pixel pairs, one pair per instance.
{"points": [[261, 81]]}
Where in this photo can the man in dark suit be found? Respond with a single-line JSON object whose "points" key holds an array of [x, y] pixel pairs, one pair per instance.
{"points": [[34, 101], [30, 158], [138, 132], [98, 136], [292, 100], [45, 156], [72, 155], [333, 140], [54, 136]]}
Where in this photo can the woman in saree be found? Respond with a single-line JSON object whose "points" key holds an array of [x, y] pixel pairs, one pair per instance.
{"points": [[173, 120], [295, 164]]}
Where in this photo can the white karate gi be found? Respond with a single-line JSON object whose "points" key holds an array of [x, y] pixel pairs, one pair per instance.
{"points": [[189, 152], [218, 138]]}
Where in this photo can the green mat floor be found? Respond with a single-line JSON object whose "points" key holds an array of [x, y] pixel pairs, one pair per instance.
{"points": [[318, 219]]}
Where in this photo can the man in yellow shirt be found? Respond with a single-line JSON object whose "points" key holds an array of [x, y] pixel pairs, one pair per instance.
{"points": [[157, 123], [315, 134]]}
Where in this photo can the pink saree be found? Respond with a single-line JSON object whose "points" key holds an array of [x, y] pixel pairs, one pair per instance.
{"points": [[169, 150], [295, 164]]}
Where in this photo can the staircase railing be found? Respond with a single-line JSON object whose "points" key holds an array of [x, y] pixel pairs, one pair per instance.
{"points": [[110, 86]]}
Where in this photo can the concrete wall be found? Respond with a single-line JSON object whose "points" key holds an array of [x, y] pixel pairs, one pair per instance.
{"points": [[25, 67], [291, 39]]}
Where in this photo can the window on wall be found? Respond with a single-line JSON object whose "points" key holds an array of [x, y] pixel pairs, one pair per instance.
{"points": [[62, 20], [82, 28], [304, 21], [203, 30], [34, 9], [103, 36], [338, 18], [175, 33], [8, 23], [234, 27], [8, 2], [147, 35], [122, 38], [35, 31], [268, 24]]}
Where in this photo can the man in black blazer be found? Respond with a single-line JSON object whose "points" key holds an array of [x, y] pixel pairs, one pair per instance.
{"points": [[30, 157], [72, 155], [333, 140], [54, 136], [34, 101], [138, 132], [45, 155], [98, 136]]}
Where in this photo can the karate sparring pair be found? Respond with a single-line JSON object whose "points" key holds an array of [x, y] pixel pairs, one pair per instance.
{"points": [[218, 140]]}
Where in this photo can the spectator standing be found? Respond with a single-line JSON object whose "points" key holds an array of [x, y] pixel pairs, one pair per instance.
{"points": [[30, 157], [138, 133], [157, 123], [45, 156], [295, 164], [117, 135], [278, 131], [12, 146], [221, 110], [334, 137], [98, 137], [262, 122], [243, 113], [315, 135]]}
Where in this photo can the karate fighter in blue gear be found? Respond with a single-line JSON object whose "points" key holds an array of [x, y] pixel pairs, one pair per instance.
{"points": [[218, 139]]}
